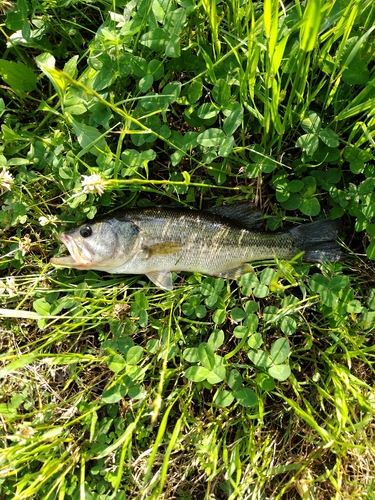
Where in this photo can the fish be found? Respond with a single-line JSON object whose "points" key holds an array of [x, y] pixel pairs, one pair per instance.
{"points": [[218, 242]]}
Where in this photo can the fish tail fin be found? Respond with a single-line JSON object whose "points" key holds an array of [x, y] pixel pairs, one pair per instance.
{"points": [[318, 240]]}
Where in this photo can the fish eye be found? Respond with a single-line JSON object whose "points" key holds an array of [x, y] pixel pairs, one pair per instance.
{"points": [[85, 231]]}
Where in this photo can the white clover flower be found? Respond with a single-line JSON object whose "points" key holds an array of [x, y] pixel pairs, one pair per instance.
{"points": [[11, 286], [6, 180], [93, 183], [5, 6], [49, 219], [25, 244]]}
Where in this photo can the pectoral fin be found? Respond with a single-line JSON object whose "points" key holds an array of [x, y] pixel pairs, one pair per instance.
{"points": [[162, 279], [162, 249], [236, 272]]}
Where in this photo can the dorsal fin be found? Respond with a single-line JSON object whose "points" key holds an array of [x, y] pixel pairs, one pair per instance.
{"points": [[245, 215]]}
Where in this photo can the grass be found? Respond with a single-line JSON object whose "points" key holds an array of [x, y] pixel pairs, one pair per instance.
{"points": [[250, 389]]}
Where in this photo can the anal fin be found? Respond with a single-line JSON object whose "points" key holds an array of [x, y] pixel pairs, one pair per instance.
{"points": [[236, 272], [162, 279]]}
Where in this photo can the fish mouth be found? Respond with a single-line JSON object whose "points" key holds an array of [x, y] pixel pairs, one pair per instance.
{"points": [[80, 256]]}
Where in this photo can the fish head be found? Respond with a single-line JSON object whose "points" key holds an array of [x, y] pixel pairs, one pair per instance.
{"points": [[102, 246]]}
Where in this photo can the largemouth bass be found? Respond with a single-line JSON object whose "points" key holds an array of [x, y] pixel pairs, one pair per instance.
{"points": [[217, 242]]}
